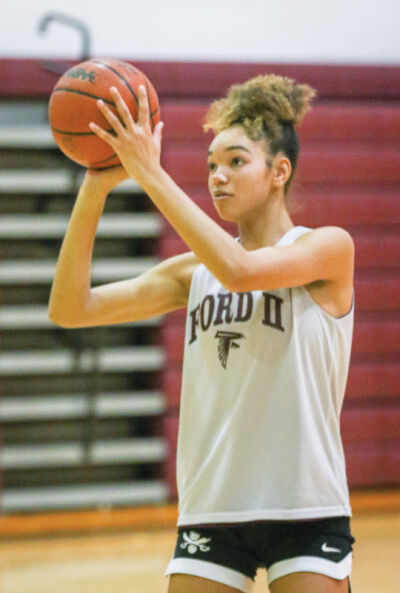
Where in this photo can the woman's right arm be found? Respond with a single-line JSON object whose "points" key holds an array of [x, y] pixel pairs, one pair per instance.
{"points": [[73, 303]]}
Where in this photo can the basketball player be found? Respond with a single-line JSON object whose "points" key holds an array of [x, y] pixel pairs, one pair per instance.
{"points": [[261, 472]]}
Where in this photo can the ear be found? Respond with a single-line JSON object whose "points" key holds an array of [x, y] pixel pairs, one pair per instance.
{"points": [[282, 170]]}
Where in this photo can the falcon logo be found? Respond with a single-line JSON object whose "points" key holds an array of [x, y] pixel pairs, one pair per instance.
{"points": [[225, 343]]}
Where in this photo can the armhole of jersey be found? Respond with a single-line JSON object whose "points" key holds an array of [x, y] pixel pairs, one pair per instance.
{"points": [[304, 231], [194, 278], [300, 231], [328, 315]]}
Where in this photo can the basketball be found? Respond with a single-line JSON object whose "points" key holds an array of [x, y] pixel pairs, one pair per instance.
{"points": [[73, 106]]}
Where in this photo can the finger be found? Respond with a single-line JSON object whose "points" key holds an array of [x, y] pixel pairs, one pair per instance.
{"points": [[110, 117], [157, 134], [122, 108], [109, 138], [144, 112]]}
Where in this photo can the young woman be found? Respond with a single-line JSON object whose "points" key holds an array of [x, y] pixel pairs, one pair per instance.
{"points": [[261, 472]]}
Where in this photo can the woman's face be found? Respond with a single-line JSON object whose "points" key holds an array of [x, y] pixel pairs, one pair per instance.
{"points": [[239, 178]]}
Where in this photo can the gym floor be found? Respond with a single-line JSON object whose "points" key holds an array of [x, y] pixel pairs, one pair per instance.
{"points": [[134, 561]]}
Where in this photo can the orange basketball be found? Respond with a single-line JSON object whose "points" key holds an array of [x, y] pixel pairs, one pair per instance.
{"points": [[73, 106]]}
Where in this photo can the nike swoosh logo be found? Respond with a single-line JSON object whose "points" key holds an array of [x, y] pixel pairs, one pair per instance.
{"points": [[326, 548]]}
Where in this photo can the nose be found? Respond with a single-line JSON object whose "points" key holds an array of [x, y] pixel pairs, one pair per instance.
{"points": [[218, 177]]}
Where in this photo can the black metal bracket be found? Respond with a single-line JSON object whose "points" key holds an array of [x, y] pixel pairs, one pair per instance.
{"points": [[70, 21]]}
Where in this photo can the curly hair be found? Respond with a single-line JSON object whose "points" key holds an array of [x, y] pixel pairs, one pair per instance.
{"points": [[266, 107]]}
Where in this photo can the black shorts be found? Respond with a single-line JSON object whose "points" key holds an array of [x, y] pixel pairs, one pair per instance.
{"points": [[231, 554]]}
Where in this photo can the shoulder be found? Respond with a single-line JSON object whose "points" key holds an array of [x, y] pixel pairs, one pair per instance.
{"points": [[331, 249], [183, 267], [175, 272], [332, 236], [181, 261], [329, 241]]}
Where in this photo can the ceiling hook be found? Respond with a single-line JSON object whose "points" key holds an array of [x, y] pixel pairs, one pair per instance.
{"points": [[70, 22]]}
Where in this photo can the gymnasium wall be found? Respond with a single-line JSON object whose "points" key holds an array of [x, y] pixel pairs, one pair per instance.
{"points": [[349, 175]]}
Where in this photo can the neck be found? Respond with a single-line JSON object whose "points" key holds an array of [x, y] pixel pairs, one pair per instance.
{"points": [[265, 228]]}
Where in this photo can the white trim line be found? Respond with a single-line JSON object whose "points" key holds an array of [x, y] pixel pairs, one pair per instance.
{"points": [[336, 570], [209, 570]]}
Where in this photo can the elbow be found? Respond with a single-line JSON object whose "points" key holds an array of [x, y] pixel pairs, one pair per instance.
{"points": [[236, 278], [232, 271], [63, 320], [66, 314], [237, 284], [53, 316], [232, 284], [60, 321]]}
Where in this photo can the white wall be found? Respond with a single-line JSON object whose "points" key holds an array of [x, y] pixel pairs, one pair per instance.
{"points": [[356, 31]]}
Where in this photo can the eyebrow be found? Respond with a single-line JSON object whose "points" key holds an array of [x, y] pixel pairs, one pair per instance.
{"points": [[234, 147]]}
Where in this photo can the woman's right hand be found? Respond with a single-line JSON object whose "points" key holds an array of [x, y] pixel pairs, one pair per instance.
{"points": [[105, 179]]}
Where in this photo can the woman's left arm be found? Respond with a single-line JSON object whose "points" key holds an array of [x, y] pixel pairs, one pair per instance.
{"points": [[324, 254], [238, 270]]}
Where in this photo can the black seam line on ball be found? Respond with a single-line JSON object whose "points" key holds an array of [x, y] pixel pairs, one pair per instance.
{"points": [[95, 163], [67, 90], [135, 70], [134, 95], [148, 100], [154, 112], [67, 133]]}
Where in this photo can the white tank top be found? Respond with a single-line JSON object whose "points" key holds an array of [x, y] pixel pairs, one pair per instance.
{"points": [[264, 376]]}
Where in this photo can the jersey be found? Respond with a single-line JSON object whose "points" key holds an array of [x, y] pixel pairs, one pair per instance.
{"points": [[263, 382]]}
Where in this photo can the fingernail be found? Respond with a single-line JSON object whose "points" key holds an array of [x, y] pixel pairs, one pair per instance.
{"points": [[100, 102]]}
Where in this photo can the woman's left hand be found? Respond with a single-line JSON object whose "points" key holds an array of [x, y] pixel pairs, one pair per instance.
{"points": [[138, 148]]}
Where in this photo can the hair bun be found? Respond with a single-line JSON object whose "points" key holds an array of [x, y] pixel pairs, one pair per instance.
{"points": [[270, 97]]}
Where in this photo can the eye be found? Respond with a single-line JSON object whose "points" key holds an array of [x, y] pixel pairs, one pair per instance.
{"points": [[212, 166], [237, 161]]}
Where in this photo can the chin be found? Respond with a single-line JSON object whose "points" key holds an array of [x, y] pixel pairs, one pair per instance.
{"points": [[225, 214]]}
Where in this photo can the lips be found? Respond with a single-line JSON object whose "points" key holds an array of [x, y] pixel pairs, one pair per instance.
{"points": [[221, 195]]}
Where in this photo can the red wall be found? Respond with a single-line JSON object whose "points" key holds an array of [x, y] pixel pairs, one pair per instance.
{"points": [[348, 175]]}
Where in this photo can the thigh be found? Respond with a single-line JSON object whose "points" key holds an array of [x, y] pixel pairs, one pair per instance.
{"points": [[187, 583], [308, 582]]}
